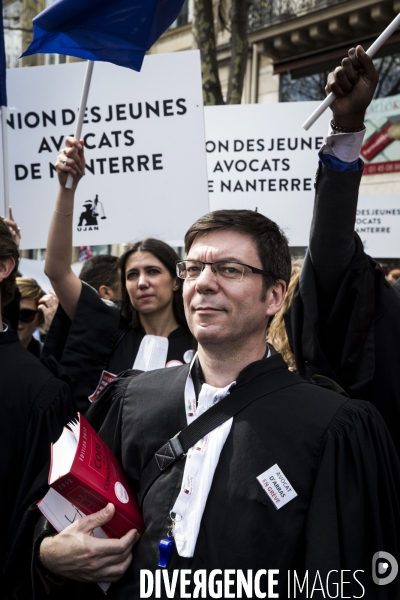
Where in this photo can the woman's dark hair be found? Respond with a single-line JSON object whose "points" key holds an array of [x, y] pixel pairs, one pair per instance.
{"points": [[8, 249], [101, 270], [167, 256]]}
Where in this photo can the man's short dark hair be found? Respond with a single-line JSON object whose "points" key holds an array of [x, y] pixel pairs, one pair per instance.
{"points": [[101, 270], [8, 249], [271, 243]]}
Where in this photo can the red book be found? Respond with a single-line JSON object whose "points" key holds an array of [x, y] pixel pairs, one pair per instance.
{"points": [[84, 470]]}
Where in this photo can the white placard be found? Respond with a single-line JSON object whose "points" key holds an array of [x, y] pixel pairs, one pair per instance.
{"points": [[145, 138], [378, 224], [258, 156]]}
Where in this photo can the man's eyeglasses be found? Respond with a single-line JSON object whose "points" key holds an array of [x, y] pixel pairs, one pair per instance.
{"points": [[191, 269], [26, 315]]}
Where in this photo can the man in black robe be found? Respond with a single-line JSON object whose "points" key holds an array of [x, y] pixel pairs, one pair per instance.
{"points": [[327, 459], [34, 408], [344, 322]]}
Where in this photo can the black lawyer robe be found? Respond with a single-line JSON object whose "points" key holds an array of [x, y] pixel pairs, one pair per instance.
{"points": [[34, 408], [98, 339], [335, 452], [11, 310], [344, 321]]}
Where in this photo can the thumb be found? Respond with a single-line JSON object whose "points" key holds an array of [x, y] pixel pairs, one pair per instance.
{"points": [[367, 64], [97, 519]]}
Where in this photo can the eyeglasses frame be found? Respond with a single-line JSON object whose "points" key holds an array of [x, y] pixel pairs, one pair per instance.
{"points": [[253, 269]]}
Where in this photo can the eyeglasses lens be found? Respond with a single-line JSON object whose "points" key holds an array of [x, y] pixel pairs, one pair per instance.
{"points": [[192, 269]]}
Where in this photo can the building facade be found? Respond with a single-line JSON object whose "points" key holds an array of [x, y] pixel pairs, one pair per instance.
{"points": [[293, 45]]}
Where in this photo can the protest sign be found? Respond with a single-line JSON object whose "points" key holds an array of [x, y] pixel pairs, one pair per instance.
{"points": [[378, 224], [381, 148], [259, 157], [144, 136]]}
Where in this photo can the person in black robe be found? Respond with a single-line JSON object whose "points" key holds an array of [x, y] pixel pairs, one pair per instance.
{"points": [[11, 310], [332, 450], [102, 273], [100, 338], [31, 317], [34, 408], [334, 453], [344, 321], [103, 339]]}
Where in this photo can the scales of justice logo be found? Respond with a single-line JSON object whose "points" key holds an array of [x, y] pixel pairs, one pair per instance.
{"points": [[92, 211]]}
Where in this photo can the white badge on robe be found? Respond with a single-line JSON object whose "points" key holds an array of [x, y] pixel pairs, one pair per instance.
{"points": [[152, 353]]}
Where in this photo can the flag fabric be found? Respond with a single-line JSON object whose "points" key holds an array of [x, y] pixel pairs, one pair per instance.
{"points": [[85, 252], [3, 88], [117, 31]]}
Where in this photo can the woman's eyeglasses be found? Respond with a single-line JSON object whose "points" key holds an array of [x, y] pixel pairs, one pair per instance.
{"points": [[26, 315]]}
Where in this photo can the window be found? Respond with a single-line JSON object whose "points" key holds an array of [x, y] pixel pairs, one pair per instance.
{"points": [[185, 16], [55, 59], [13, 33], [300, 85]]}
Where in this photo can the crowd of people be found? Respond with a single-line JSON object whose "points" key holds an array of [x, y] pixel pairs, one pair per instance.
{"points": [[286, 371]]}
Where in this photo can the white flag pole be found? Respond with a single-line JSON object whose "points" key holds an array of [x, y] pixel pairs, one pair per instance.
{"points": [[371, 51], [82, 109], [6, 186]]}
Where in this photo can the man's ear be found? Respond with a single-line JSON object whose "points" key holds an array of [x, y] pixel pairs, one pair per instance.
{"points": [[106, 292], [7, 266], [176, 285], [275, 297]]}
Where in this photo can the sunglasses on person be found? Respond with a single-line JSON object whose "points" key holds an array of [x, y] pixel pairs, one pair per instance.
{"points": [[26, 315]]}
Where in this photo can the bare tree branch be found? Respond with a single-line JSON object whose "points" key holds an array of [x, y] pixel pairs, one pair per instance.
{"points": [[239, 45], [204, 33]]}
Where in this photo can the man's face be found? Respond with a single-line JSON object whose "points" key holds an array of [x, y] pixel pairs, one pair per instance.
{"points": [[226, 311]]}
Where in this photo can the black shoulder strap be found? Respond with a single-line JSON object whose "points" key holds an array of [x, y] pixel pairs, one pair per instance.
{"points": [[177, 447]]}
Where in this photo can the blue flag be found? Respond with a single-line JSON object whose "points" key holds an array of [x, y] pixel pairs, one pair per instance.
{"points": [[3, 87], [117, 31]]}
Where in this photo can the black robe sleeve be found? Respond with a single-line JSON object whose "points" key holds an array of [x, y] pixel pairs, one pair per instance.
{"points": [[355, 506], [86, 345], [109, 403], [344, 321], [28, 452], [110, 398], [332, 228], [11, 310], [56, 337]]}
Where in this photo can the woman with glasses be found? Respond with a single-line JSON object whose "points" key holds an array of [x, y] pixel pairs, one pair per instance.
{"points": [[146, 331], [30, 316]]}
